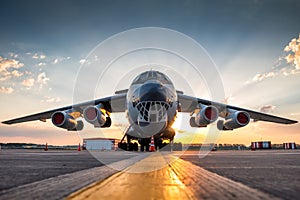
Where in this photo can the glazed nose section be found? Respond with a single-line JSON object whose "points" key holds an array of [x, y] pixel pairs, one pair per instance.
{"points": [[153, 92]]}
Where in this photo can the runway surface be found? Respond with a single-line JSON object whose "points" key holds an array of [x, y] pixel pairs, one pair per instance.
{"points": [[275, 172], [19, 167], [36, 174]]}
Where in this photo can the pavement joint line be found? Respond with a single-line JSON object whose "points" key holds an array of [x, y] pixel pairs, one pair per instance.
{"points": [[63, 185], [186, 181], [97, 184], [133, 171], [199, 182], [213, 181]]}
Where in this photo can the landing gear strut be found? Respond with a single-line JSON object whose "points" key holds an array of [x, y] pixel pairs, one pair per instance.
{"points": [[123, 145], [145, 143], [129, 145], [159, 141]]}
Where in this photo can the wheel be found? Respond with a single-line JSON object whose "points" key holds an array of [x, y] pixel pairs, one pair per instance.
{"points": [[122, 146], [158, 144], [142, 147], [135, 147], [130, 147], [107, 123], [144, 142], [147, 147]]}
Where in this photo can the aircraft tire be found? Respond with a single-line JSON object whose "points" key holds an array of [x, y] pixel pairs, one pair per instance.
{"points": [[130, 147], [135, 147], [147, 147], [122, 146], [142, 148]]}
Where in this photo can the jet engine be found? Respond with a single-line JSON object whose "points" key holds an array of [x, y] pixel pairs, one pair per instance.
{"points": [[96, 116], [62, 119], [206, 115], [235, 120]]}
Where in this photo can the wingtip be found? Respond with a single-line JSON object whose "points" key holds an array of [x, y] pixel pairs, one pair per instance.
{"points": [[291, 122]]}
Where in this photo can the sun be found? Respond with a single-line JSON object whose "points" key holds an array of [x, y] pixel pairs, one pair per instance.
{"points": [[177, 123]]}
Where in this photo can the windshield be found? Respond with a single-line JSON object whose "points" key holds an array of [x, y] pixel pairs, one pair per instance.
{"points": [[151, 75]]}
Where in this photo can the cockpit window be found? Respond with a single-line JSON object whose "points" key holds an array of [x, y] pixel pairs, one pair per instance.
{"points": [[151, 75]]}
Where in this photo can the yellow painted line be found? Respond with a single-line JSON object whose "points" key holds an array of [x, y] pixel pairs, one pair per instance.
{"points": [[158, 182], [162, 176]]}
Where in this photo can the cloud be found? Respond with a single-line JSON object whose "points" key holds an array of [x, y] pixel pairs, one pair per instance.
{"points": [[6, 64], [228, 99], [16, 73], [61, 59], [8, 68], [51, 100], [13, 55], [37, 56], [42, 78], [82, 61], [295, 114], [267, 108], [293, 52], [41, 64], [55, 61], [260, 77], [28, 82], [6, 90], [288, 64], [4, 76]]}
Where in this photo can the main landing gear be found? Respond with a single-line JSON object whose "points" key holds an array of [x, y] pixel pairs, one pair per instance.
{"points": [[131, 144], [145, 144], [162, 141]]}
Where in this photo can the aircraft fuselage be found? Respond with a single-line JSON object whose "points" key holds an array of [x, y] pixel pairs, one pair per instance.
{"points": [[151, 104]]}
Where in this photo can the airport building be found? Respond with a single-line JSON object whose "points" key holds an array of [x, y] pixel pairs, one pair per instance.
{"points": [[261, 145], [102, 144], [289, 145]]}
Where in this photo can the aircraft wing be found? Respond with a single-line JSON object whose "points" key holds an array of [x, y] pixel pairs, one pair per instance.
{"points": [[189, 104], [115, 103]]}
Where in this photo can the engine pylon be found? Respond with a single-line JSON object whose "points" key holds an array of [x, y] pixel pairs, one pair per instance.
{"points": [[152, 146]]}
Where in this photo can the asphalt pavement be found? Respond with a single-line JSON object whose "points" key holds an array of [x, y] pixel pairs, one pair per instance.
{"points": [[275, 172], [19, 167], [38, 174]]}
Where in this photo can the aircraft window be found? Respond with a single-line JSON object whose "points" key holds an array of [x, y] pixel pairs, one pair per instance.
{"points": [[152, 75], [152, 111]]}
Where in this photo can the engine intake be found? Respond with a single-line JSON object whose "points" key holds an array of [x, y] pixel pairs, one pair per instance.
{"points": [[63, 120], [206, 115], [95, 116], [235, 120]]}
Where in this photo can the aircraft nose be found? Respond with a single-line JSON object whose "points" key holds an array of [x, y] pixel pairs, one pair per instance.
{"points": [[153, 92]]}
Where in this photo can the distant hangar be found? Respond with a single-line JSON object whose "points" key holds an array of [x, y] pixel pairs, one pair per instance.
{"points": [[103, 144]]}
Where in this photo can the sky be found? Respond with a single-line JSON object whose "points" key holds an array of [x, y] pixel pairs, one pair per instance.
{"points": [[254, 44]]}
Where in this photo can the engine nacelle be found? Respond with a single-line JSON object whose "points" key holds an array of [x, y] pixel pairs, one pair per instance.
{"points": [[206, 115], [235, 120], [95, 116], [62, 119]]}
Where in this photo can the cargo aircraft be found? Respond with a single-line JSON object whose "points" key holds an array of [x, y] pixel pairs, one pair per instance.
{"points": [[151, 104]]}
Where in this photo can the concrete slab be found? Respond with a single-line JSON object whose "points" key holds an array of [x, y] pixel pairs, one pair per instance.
{"points": [[61, 186], [177, 179], [275, 172]]}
